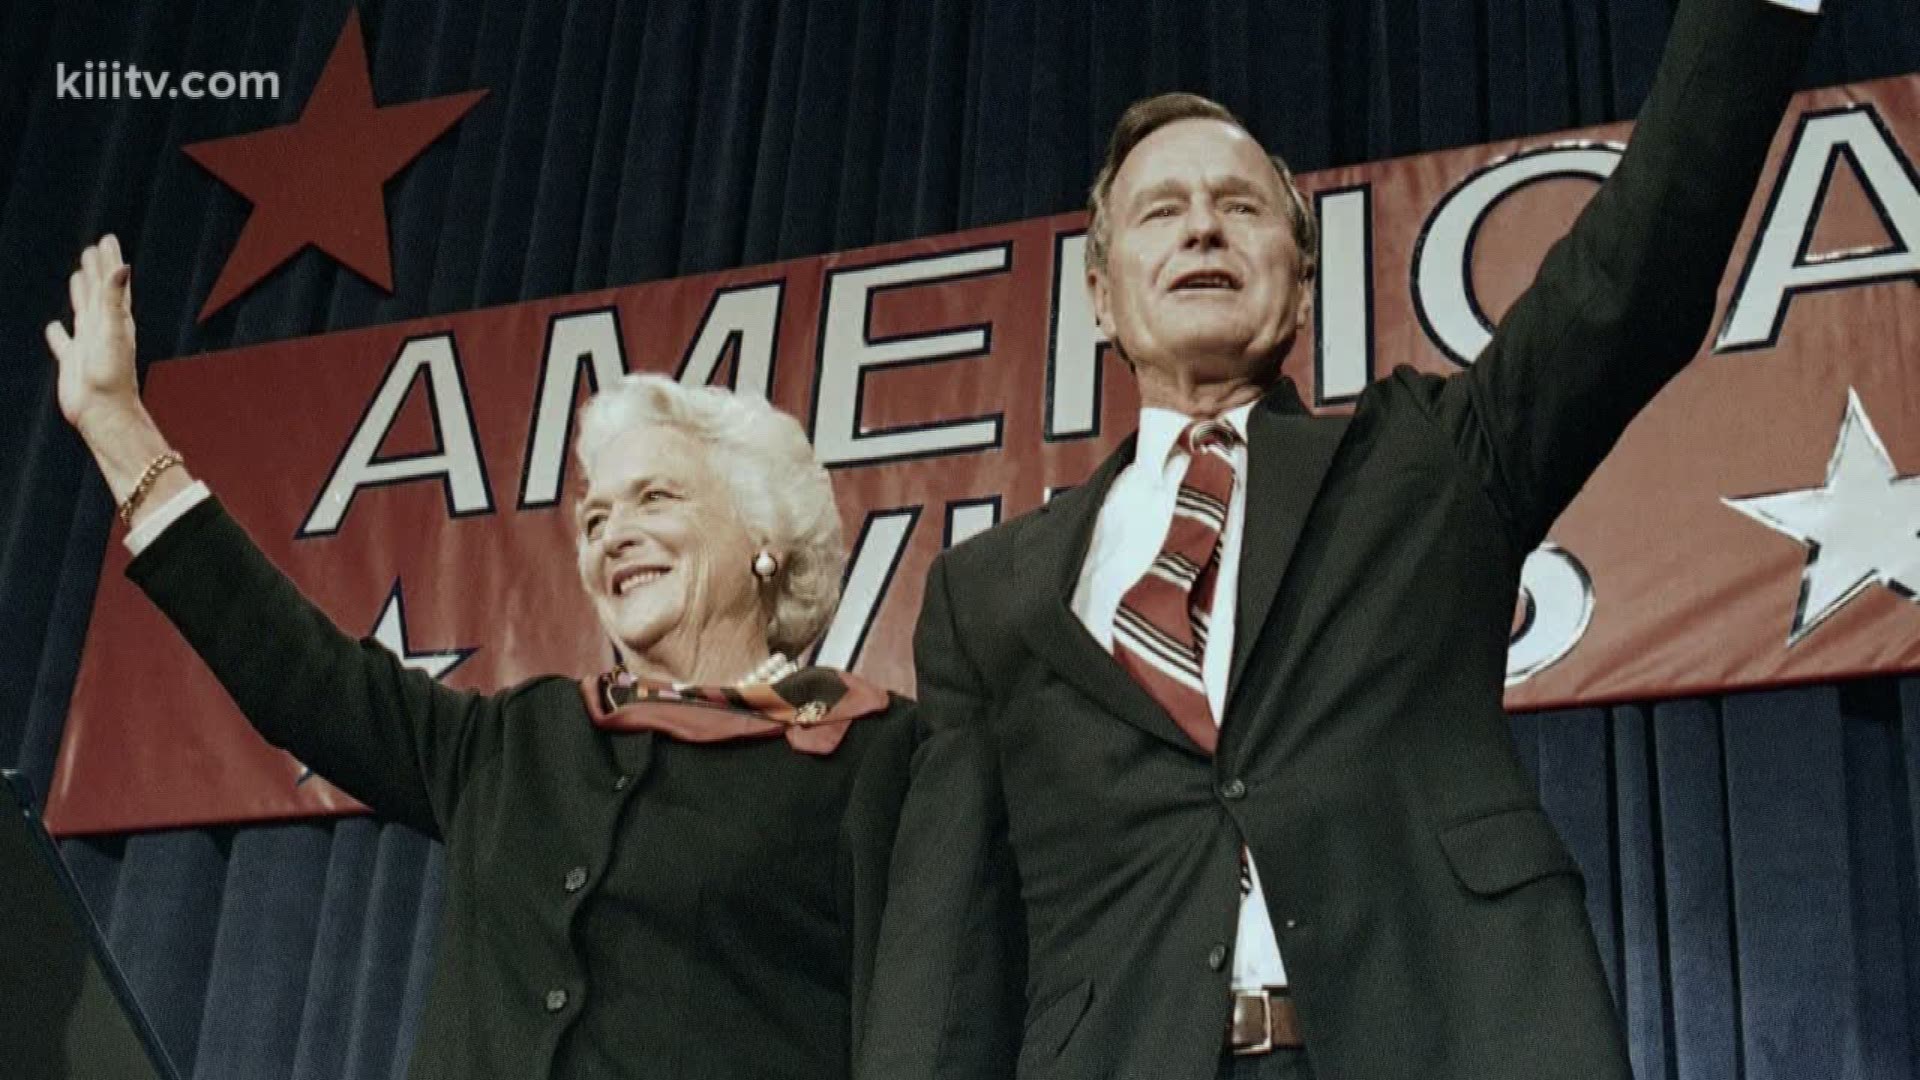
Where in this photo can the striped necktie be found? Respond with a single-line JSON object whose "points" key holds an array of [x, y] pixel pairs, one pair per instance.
{"points": [[1160, 630]]}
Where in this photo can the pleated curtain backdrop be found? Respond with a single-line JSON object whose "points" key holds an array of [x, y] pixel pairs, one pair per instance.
{"points": [[1750, 859]]}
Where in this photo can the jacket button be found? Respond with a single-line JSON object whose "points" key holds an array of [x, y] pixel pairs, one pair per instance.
{"points": [[576, 878], [1217, 957], [1293, 924], [621, 784], [1233, 789], [556, 1000]]}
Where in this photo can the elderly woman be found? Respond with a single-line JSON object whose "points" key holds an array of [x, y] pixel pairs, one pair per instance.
{"points": [[674, 869]]}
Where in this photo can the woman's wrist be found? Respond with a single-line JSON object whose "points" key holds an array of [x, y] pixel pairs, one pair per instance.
{"points": [[125, 443]]}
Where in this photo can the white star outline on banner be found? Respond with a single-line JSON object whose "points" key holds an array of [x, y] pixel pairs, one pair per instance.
{"points": [[1861, 528], [390, 631]]}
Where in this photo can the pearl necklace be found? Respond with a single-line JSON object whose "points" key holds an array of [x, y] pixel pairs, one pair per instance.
{"points": [[770, 671], [766, 673]]}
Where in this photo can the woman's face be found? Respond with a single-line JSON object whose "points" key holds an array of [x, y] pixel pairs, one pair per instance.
{"points": [[663, 554]]}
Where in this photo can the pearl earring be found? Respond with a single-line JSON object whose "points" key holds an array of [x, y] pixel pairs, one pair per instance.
{"points": [[765, 566]]}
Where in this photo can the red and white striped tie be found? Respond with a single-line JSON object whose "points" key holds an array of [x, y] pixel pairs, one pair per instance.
{"points": [[1160, 630]]}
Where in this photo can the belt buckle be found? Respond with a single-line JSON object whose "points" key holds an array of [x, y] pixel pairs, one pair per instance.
{"points": [[1265, 1044]]}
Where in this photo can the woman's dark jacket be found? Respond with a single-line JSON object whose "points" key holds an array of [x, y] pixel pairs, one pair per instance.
{"points": [[617, 905]]}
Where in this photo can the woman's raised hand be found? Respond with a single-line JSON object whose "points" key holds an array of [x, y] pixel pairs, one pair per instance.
{"points": [[97, 376], [99, 388]]}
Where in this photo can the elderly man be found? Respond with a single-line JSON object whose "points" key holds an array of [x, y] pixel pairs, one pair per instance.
{"points": [[1214, 750]]}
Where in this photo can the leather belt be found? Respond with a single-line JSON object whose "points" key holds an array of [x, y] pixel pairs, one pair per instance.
{"points": [[1263, 1020]]}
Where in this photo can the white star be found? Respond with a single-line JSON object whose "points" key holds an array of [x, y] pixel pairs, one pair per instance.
{"points": [[1861, 528], [390, 630]]}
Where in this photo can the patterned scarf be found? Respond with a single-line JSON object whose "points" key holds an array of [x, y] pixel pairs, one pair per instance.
{"points": [[812, 707]]}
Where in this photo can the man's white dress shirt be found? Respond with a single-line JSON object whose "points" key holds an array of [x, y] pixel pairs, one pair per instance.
{"points": [[1127, 535]]}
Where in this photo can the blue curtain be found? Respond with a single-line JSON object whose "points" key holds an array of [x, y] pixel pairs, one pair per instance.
{"points": [[1751, 858]]}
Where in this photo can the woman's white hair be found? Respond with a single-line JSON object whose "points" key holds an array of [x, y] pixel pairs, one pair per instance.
{"points": [[778, 488]]}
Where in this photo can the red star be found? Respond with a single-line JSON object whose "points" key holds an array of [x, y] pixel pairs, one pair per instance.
{"points": [[321, 180]]}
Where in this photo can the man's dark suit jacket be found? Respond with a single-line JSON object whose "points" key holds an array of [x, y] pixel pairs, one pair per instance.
{"points": [[1431, 920]]}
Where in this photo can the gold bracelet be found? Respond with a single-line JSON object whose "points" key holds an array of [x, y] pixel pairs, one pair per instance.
{"points": [[145, 484]]}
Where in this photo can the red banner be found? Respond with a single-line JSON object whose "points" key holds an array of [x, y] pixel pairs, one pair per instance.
{"points": [[1759, 524]]}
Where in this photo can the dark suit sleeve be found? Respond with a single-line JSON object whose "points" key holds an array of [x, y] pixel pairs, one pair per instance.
{"points": [[388, 735], [1623, 300], [949, 993], [866, 839]]}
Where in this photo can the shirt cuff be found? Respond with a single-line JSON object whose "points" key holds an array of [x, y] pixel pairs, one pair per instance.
{"points": [[1811, 7], [165, 514]]}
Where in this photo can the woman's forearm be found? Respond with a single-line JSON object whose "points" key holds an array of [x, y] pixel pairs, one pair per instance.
{"points": [[125, 443]]}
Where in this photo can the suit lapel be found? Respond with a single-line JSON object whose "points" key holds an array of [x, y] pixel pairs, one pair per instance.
{"points": [[1045, 578], [1288, 452]]}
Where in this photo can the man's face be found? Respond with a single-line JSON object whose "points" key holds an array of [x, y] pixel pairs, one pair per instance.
{"points": [[662, 553], [1202, 274]]}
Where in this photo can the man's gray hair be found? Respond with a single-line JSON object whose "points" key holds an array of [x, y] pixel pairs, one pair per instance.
{"points": [[1148, 115], [777, 487]]}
